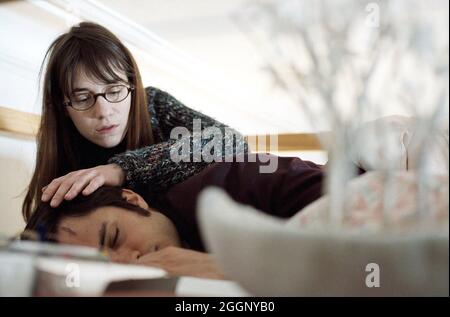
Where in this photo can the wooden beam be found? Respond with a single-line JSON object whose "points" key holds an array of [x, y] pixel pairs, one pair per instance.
{"points": [[26, 124], [287, 142], [18, 122]]}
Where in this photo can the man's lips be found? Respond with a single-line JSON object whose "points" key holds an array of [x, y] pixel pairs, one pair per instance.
{"points": [[107, 128]]}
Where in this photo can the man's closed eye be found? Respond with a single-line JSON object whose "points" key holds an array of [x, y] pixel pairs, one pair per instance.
{"points": [[115, 239]]}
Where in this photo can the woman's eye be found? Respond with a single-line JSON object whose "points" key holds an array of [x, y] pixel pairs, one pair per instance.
{"points": [[81, 98], [115, 90]]}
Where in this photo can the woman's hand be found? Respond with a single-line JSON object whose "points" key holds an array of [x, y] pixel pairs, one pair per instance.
{"points": [[87, 180]]}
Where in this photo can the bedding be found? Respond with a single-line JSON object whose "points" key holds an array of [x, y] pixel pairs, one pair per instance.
{"points": [[368, 210], [393, 142]]}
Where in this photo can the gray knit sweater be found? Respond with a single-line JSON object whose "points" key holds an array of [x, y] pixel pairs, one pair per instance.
{"points": [[151, 169]]}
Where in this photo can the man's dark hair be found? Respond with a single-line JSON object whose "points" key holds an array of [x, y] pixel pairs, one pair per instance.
{"points": [[45, 219]]}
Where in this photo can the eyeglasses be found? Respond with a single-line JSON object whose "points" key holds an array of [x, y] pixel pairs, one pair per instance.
{"points": [[82, 101]]}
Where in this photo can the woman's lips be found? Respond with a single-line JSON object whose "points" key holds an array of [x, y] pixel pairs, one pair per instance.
{"points": [[107, 129]]}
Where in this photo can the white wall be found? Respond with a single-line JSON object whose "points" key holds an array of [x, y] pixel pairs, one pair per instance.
{"points": [[16, 166]]}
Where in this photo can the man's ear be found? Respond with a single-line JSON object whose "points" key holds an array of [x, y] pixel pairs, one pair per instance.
{"points": [[134, 199]]}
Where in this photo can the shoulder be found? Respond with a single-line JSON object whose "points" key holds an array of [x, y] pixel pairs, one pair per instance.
{"points": [[162, 104], [162, 107], [156, 96]]}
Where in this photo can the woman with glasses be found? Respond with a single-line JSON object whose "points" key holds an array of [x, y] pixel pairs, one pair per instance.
{"points": [[100, 126]]}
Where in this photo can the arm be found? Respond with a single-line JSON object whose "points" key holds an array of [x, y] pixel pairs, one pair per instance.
{"points": [[183, 262], [151, 169]]}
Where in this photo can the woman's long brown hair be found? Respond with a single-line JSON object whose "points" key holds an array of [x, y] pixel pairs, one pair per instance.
{"points": [[101, 55]]}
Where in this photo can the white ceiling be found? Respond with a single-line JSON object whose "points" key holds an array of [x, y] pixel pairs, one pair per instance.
{"points": [[204, 30]]}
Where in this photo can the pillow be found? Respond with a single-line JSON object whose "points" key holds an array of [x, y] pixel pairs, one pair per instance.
{"points": [[365, 201], [393, 142]]}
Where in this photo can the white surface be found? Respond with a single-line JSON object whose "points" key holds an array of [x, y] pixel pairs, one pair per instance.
{"points": [[193, 286], [17, 274], [63, 276], [93, 276], [16, 165], [32, 247]]}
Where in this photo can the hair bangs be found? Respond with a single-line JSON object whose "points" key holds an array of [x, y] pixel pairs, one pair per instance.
{"points": [[104, 64]]}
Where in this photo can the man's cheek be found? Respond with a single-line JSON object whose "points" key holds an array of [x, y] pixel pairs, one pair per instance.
{"points": [[118, 258]]}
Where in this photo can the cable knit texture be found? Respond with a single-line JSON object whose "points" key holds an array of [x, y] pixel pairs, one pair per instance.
{"points": [[151, 170]]}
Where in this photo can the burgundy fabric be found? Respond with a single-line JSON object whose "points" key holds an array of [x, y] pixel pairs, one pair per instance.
{"points": [[293, 185]]}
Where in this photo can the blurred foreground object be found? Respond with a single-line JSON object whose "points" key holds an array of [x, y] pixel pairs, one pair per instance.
{"points": [[375, 74], [271, 257]]}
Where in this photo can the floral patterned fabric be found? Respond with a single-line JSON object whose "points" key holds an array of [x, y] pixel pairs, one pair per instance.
{"points": [[375, 203]]}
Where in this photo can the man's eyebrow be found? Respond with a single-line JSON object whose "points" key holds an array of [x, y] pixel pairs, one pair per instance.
{"points": [[102, 235]]}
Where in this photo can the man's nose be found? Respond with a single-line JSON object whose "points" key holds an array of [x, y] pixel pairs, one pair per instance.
{"points": [[124, 255], [103, 108]]}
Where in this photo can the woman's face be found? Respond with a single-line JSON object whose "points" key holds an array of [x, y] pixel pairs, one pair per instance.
{"points": [[105, 123]]}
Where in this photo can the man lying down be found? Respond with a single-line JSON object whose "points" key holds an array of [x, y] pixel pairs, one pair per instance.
{"points": [[164, 232]]}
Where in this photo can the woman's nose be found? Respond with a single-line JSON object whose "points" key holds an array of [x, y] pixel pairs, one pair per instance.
{"points": [[103, 108]]}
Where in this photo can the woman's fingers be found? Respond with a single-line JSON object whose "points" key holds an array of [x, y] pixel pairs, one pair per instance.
{"points": [[51, 189], [95, 183], [69, 186], [77, 187], [59, 189], [58, 197]]}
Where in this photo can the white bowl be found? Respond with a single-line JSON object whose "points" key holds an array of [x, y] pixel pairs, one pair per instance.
{"points": [[269, 258]]}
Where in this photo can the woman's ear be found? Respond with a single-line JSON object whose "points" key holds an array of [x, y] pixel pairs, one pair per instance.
{"points": [[134, 199]]}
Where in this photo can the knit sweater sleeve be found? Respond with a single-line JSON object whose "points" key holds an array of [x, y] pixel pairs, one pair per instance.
{"points": [[153, 169]]}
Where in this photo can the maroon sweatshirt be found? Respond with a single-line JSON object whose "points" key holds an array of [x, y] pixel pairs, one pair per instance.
{"points": [[293, 185]]}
